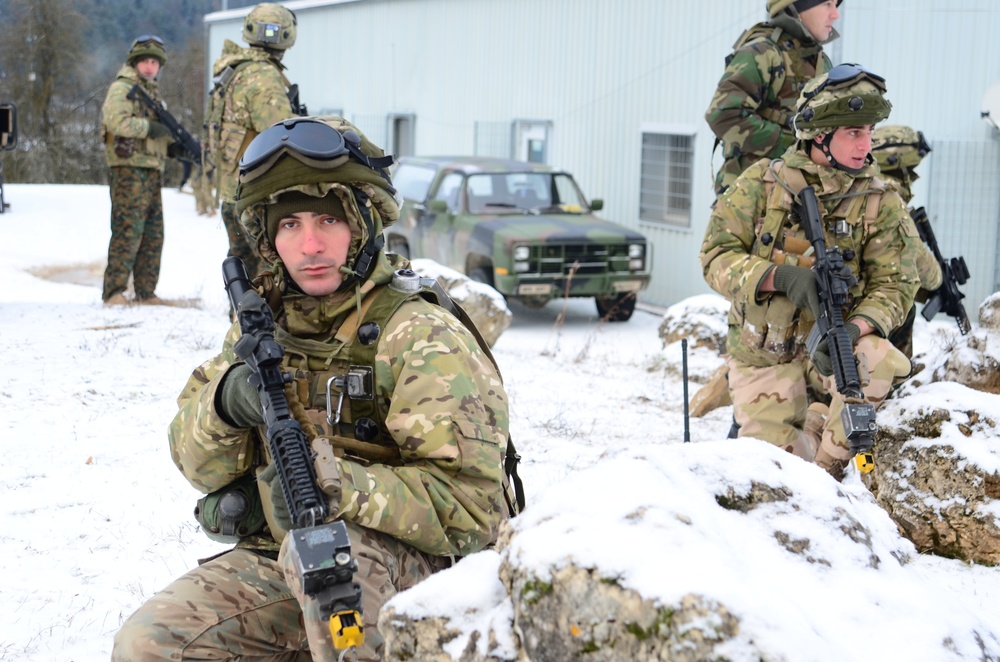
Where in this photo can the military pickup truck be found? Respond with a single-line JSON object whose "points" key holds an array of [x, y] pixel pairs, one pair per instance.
{"points": [[524, 228]]}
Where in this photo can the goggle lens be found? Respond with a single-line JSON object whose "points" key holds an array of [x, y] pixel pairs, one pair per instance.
{"points": [[145, 39], [306, 137]]}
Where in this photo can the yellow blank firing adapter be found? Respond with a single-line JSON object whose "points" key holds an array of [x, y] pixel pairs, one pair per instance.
{"points": [[865, 462], [347, 629]]}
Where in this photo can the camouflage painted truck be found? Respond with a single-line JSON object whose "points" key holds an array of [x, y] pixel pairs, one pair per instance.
{"points": [[524, 228]]}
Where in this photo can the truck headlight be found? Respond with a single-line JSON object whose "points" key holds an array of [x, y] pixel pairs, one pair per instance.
{"points": [[522, 253], [636, 250]]}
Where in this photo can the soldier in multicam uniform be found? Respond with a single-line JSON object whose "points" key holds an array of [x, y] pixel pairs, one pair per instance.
{"points": [[417, 477], [250, 94], [756, 255], [771, 62], [136, 150], [898, 150]]}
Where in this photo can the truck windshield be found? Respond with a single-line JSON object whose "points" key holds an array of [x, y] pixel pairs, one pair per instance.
{"points": [[524, 191]]}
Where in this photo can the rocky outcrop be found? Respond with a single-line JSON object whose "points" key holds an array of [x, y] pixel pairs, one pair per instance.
{"points": [[937, 470], [701, 319], [485, 305]]}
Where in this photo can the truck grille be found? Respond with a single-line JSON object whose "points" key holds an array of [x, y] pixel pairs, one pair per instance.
{"points": [[590, 259]]}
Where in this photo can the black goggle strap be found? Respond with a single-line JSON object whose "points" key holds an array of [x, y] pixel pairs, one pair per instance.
{"points": [[377, 163], [366, 257]]}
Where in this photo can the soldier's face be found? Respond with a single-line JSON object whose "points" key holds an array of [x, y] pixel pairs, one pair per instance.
{"points": [[148, 67], [819, 19], [851, 145], [313, 248]]}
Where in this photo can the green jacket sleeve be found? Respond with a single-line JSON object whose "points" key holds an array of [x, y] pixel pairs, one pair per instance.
{"points": [[449, 417]]}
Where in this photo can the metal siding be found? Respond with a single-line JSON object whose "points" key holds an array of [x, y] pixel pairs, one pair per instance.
{"points": [[600, 70]]}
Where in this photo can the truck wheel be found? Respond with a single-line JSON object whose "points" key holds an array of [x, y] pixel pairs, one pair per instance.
{"points": [[482, 275], [617, 308], [399, 247]]}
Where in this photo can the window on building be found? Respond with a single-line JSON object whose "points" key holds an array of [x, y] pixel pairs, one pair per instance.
{"points": [[666, 178]]}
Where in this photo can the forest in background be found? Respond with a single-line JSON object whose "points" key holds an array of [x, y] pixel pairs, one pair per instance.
{"points": [[57, 58]]}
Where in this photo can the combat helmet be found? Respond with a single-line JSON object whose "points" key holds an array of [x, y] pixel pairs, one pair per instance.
{"points": [[775, 7], [270, 25], [848, 95], [147, 45], [897, 147], [326, 158]]}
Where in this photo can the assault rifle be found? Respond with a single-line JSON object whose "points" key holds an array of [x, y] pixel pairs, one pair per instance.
{"points": [[833, 282], [323, 549], [186, 141], [298, 107], [955, 272]]}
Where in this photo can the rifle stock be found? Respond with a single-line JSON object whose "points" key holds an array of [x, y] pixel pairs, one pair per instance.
{"points": [[322, 550], [833, 282], [955, 272]]}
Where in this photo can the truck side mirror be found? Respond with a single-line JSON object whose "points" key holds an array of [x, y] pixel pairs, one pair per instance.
{"points": [[8, 126], [596, 205]]}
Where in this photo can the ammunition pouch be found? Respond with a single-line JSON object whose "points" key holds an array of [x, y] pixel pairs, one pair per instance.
{"points": [[124, 147], [233, 512]]}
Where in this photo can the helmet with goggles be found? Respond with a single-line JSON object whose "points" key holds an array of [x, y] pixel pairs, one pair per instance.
{"points": [[270, 25], [147, 45], [322, 164], [897, 147], [848, 95]]}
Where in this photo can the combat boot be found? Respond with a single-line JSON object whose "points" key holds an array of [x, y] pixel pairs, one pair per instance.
{"points": [[118, 300], [151, 300]]}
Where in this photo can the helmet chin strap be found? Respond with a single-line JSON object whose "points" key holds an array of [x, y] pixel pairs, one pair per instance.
{"points": [[824, 146], [365, 260]]}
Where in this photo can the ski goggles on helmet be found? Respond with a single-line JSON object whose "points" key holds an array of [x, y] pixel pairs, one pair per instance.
{"points": [[307, 140], [147, 38], [844, 75]]}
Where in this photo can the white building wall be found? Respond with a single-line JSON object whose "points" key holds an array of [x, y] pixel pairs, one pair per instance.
{"points": [[602, 70]]}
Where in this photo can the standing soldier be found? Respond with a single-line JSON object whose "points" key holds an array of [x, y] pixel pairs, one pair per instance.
{"points": [[771, 62], [898, 150], [411, 460], [250, 94], [749, 256], [136, 150]]}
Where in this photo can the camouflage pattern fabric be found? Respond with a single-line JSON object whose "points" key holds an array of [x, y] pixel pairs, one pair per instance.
{"points": [[766, 332], [136, 231], [755, 99], [239, 243], [243, 601], [256, 98], [128, 122]]}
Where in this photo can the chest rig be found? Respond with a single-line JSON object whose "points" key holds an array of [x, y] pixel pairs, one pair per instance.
{"points": [[847, 225]]}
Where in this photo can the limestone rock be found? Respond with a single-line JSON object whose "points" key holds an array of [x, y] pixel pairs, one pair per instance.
{"points": [[942, 493], [701, 319]]}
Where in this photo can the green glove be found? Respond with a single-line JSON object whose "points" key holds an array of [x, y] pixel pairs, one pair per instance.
{"points": [[238, 402], [279, 508], [821, 355], [799, 285], [157, 130]]}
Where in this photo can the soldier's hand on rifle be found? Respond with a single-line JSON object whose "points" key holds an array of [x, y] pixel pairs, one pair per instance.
{"points": [[799, 285], [176, 151], [157, 130], [279, 508], [821, 355], [238, 402]]}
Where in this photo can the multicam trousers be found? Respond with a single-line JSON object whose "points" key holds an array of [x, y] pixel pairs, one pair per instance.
{"points": [[239, 606], [239, 243], [771, 403], [136, 231]]}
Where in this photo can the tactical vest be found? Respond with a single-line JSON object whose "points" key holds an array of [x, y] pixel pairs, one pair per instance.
{"points": [[774, 330], [336, 381], [786, 82]]}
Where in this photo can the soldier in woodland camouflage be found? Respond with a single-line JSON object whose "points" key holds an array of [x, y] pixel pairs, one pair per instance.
{"points": [[416, 472], [755, 254], [250, 94], [898, 150], [771, 62], [136, 150]]}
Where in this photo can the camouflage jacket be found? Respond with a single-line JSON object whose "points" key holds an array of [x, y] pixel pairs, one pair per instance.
{"points": [[444, 413], [125, 125], [756, 96], [254, 98], [878, 238], [931, 276]]}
